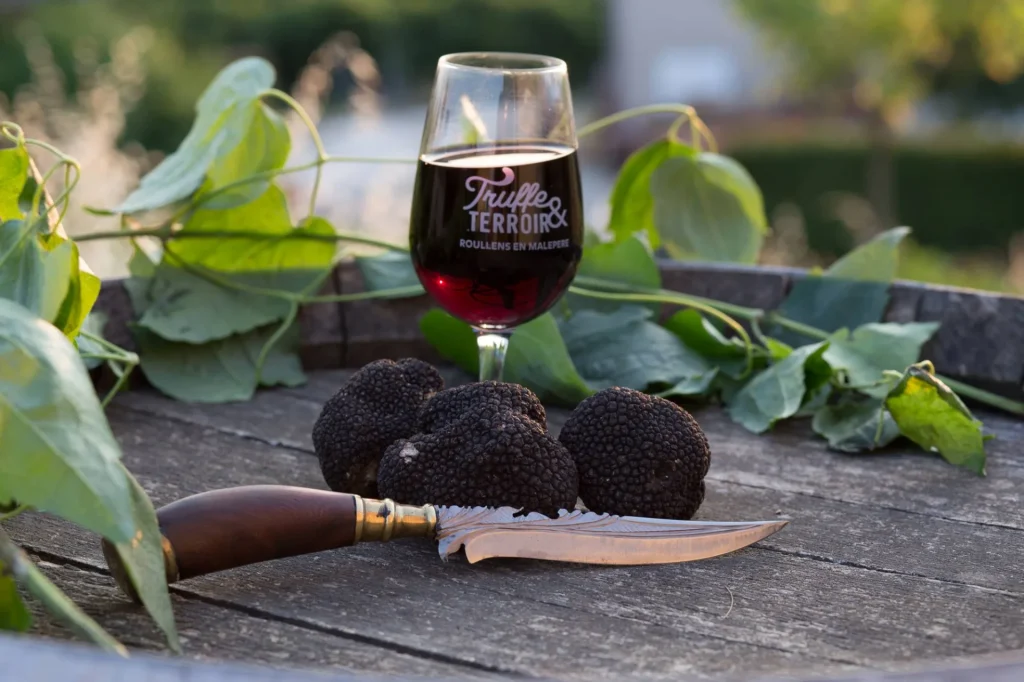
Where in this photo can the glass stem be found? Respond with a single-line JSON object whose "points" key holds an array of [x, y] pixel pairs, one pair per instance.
{"points": [[492, 345]]}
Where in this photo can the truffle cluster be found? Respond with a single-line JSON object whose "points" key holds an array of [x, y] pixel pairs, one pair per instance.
{"points": [[393, 431]]}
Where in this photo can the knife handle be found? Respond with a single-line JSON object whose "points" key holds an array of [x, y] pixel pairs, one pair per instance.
{"points": [[223, 529]]}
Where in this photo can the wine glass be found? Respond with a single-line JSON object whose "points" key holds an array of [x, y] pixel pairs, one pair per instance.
{"points": [[497, 218]]}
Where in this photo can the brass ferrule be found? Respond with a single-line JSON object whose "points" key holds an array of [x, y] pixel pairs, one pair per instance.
{"points": [[383, 520]]}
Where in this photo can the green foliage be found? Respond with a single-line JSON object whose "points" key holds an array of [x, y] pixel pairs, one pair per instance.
{"points": [[537, 355], [13, 614], [626, 348], [392, 269], [695, 205], [939, 192], [632, 203], [854, 291], [779, 391], [227, 113], [190, 41], [888, 54], [538, 359], [856, 425], [56, 450], [728, 354], [223, 370], [930, 414], [626, 261], [707, 207], [143, 559], [13, 174], [865, 354]]}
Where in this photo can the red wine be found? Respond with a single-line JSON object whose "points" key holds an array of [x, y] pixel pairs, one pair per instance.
{"points": [[497, 233]]}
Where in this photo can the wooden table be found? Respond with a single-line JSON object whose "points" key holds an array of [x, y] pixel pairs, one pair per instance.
{"points": [[892, 562]]}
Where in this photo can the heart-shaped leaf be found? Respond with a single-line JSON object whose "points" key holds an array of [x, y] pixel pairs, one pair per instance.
{"points": [[225, 117], [631, 200], [707, 207], [779, 391]]}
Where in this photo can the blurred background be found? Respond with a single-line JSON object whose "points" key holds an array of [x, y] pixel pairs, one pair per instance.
{"points": [[852, 115]]}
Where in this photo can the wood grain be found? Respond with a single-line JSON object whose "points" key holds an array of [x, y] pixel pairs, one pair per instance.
{"points": [[810, 602], [213, 634]]}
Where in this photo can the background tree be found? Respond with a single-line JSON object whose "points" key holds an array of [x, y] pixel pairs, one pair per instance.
{"points": [[883, 56]]}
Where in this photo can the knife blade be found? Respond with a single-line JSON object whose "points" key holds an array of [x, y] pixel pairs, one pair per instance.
{"points": [[233, 527]]}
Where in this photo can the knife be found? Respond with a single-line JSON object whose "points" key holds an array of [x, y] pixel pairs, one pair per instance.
{"points": [[224, 529]]}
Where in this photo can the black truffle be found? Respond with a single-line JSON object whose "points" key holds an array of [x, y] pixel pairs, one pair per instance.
{"points": [[484, 398], [637, 455], [378, 405], [487, 457]]}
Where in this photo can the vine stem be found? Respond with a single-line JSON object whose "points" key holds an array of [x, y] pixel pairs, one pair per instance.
{"points": [[681, 299], [647, 110], [20, 509], [56, 602], [756, 315], [321, 152], [165, 232]]}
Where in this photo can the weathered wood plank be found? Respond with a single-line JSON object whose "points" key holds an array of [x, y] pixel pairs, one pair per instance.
{"points": [[36, 660], [877, 537], [400, 594], [791, 459], [785, 604], [981, 339], [214, 633]]}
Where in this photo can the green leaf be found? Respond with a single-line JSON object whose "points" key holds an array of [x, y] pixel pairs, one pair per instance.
{"points": [[626, 262], [707, 207], [538, 359], [213, 298], [32, 276], [873, 348], [13, 614], [874, 261], [929, 413], [778, 349], [779, 391], [856, 426], [697, 333], [626, 349], [278, 246], [57, 453], [143, 560], [266, 147], [632, 203], [387, 271], [854, 291], [83, 289], [56, 602], [219, 371], [187, 308], [13, 173], [225, 115], [452, 338], [692, 386]]}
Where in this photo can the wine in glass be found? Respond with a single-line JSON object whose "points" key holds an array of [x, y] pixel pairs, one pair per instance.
{"points": [[497, 220]]}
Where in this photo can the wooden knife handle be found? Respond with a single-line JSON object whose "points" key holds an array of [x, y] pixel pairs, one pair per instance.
{"points": [[224, 529]]}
